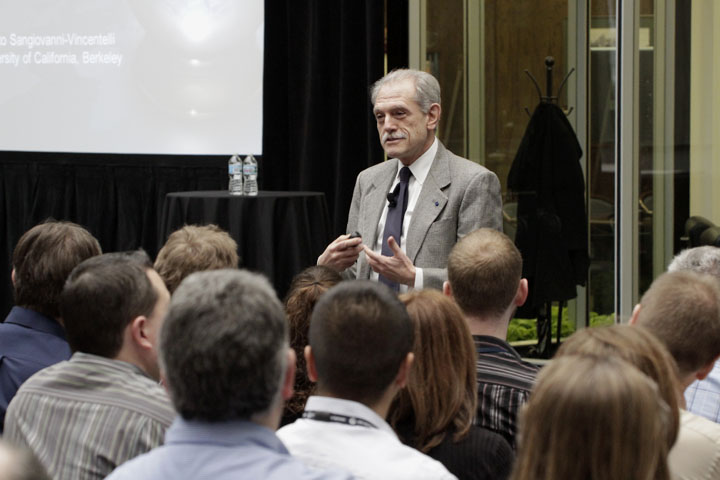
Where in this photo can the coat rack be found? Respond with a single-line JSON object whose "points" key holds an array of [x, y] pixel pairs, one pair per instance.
{"points": [[549, 98]]}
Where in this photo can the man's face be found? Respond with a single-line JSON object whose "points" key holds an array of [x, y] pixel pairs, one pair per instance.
{"points": [[405, 131], [157, 317]]}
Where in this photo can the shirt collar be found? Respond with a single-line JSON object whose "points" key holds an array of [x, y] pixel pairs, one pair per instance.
{"points": [[36, 321], [497, 342], [348, 408], [227, 433], [421, 167], [109, 363]]}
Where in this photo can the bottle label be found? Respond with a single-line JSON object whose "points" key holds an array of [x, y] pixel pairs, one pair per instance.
{"points": [[234, 169], [250, 169]]}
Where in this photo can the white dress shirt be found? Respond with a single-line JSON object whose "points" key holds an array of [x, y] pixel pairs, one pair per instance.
{"points": [[419, 170], [696, 453], [367, 451]]}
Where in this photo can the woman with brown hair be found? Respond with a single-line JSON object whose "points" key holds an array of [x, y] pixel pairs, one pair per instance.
{"points": [[594, 418], [305, 290], [435, 412]]}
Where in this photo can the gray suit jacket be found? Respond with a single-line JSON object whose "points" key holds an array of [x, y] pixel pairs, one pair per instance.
{"points": [[458, 196]]}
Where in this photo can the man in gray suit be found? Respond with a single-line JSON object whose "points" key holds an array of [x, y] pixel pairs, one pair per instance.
{"points": [[431, 204]]}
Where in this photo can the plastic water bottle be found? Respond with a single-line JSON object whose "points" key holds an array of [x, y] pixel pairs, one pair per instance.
{"points": [[235, 176], [250, 174]]}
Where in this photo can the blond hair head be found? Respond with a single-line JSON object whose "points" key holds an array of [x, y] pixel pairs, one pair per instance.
{"points": [[595, 418]]}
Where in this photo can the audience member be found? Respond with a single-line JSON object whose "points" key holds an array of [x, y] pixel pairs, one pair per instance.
{"points": [[226, 362], [85, 416], [19, 464], [641, 349], [195, 248], [484, 278], [593, 418], [32, 336], [360, 355], [702, 396], [435, 411], [683, 310], [305, 290]]}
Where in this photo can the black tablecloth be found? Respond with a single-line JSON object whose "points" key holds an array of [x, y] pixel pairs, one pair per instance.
{"points": [[278, 233]]}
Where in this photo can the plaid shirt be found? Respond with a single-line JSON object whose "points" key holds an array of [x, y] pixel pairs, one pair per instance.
{"points": [[504, 384]]}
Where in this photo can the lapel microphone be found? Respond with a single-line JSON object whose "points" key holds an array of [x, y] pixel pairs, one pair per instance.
{"points": [[393, 196]]}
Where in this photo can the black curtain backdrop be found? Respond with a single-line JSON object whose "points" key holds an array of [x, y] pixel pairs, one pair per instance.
{"points": [[320, 58], [318, 128]]}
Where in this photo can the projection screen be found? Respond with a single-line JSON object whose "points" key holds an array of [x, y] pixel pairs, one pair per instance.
{"points": [[131, 76]]}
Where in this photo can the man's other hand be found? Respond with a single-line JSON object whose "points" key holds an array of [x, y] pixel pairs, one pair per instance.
{"points": [[341, 253]]}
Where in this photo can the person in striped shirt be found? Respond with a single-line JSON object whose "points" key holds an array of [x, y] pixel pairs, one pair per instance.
{"points": [[104, 406], [485, 279]]}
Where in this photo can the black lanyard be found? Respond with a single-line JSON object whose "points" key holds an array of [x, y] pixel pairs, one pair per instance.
{"points": [[336, 418]]}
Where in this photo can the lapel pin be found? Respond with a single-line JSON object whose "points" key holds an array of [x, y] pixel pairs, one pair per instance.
{"points": [[437, 203]]}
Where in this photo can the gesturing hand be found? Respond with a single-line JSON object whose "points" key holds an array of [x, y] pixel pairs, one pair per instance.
{"points": [[397, 268]]}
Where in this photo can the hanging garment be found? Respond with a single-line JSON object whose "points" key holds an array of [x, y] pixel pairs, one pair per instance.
{"points": [[547, 180]]}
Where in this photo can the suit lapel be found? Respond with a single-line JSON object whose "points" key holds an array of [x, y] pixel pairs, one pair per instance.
{"points": [[373, 206], [430, 203]]}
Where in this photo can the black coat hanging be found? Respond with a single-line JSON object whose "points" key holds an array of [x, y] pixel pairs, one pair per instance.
{"points": [[547, 180]]}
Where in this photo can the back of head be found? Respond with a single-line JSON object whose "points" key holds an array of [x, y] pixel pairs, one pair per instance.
{"points": [[682, 309], [704, 259], [484, 272], [43, 258], [305, 290], [18, 463], [606, 406], [427, 88], [441, 393], [360, 334], [195, 248], [102, 296], [638, 347], [223, 346]]}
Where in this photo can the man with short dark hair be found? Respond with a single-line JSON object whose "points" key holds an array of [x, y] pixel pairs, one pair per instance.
{"points": [[32, 336], [485, 279], [228, 366], [682, 309], [702, 396], [360, 355], [85, 416], [195, 248]]}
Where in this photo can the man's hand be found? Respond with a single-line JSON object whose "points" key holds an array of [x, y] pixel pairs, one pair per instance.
{"points": [[341, 253], [397, 268]]}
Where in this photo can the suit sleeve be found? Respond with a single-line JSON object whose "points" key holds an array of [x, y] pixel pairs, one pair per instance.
{"points": [[352, 225], [481, 206]]}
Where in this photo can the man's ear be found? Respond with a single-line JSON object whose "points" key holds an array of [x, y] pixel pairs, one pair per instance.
{"points": [[522, 293], [635, 314], [310, 364], [138, 332], [433, 116], [288, 386], [403, 374], [12, 276], [447, 289]]}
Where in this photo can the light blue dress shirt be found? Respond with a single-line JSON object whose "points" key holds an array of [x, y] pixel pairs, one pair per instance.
{"points": [[703, 396], [226, 450]]}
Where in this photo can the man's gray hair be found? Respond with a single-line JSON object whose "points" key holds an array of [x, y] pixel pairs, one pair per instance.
{"points": [[704, 259], [427, 88], [19, 463], [223, 346]]}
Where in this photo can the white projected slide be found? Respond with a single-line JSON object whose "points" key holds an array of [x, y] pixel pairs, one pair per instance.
{"points": [[131, 76]]}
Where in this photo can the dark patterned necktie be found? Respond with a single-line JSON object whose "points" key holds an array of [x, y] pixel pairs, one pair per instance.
{"points": [[394, 220]]}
